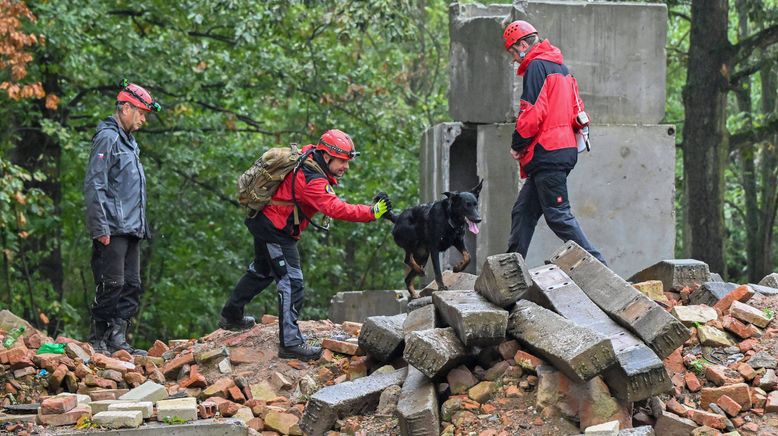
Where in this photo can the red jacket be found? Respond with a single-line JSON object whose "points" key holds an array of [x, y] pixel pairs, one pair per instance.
{"points": [[549, 104], [314, 194]]}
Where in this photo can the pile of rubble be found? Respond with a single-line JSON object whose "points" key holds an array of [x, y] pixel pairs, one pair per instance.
{"points": [[564, 348]]}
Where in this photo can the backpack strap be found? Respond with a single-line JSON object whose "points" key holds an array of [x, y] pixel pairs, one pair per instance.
{"points": [[297, 209]]}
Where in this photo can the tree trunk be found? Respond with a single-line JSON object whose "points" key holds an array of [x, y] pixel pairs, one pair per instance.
{"points": [[769, 180], [704, 136]]}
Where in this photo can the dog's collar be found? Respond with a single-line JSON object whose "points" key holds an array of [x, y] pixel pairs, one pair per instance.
{"points": [[453, 226]]}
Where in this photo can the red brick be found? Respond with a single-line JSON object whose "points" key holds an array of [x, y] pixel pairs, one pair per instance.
{"points": [[739, 392], [674, 406], [721, 375], [134, 379], [746, 371], [738, 328], [56, 377], [226, 407], [342, 347], [48, 361], [172, 367], [674, 362], [219, 388], [747, 345], [158, 349], [236, 394], [9, 388], [772, 402], [268, 319], [68, 418], [742, 293], [123, 355], [728, 405], [106, 362], [751, 426], [206, 409], [692, 383], [240, 355], [526, 360], [57, 405], [256, 424], [713, 420]]}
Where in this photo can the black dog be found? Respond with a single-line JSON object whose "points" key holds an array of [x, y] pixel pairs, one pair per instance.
{"points": [[431, 228]]}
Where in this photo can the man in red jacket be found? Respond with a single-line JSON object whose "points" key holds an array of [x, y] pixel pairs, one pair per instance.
{"points": [[544, 139], [276, 232]]}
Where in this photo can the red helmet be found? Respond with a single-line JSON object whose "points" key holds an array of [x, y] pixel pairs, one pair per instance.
{"points": [[337, 144], [138, 97], [516, 31]]}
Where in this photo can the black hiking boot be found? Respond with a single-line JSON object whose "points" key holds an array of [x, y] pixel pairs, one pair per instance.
{"points": [[245, 323], [302, 352], [117, 338], [99, 331]]}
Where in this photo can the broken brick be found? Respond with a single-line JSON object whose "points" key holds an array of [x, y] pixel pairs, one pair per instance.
{"points": [[728, 405]]}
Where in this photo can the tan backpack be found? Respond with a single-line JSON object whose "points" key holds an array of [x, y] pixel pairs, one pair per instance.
{"points": [[258, 184]]}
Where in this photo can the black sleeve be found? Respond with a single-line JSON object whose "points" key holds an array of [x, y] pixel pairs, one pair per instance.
{"points": [[534, 78], [518, 142]]}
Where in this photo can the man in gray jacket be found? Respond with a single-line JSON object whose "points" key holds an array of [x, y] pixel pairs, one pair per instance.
{"points": [[115, 197]]}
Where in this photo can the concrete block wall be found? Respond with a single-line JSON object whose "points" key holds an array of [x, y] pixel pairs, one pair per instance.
{"points": [[623, 191]]}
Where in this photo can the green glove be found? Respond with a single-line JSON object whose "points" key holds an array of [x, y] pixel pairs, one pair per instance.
{"points": [[380, 208]]}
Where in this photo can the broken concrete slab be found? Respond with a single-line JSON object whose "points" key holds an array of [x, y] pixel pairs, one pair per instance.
{"points": [[610, 428], [346, 399], [424, 318], [417, 408], [461, 281], [504, 279], [638, 373], [183, 408], [675, 274], [102, 405], [689, 315], [764, 290], [713, 337], [476, 321], [671, 424], [358, 305], [770, 280], [202, 427], [747, 313], [382, 336], [418, 303], [435, 351], [626, 305], [148, 391], [118, 418], [579, 352]]}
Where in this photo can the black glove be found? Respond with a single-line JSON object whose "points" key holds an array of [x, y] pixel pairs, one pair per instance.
{"points": [[383, 196]]}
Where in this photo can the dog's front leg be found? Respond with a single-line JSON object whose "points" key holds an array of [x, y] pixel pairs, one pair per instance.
{"points": [[436, 266], [460, 245]]}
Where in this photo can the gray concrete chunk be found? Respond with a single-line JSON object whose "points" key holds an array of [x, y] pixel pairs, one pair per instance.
{"points": [[709, 293], [671, 424], [382, 336], [358, 305], [579, 352], [145, 407], [183, 408], [417, 408], [118, 419], [461, 281], [504, 279], [644, 430], [434, 352], [424, 318], [689, 315], [770, 280], [346, 399], [418, 303], [661, 331], [638, 373], [675, 273], [476, 321], [148, 391], [764, 290]]}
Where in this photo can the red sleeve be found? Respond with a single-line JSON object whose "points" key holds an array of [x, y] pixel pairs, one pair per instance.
{"points": [[319, 194], [532, 116]]}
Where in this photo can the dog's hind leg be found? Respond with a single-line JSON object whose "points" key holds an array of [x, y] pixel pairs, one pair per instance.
{"points": [[409, 284], [411, 262]]}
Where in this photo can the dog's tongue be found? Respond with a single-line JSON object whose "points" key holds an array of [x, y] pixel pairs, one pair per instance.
{"points": [[473, 227]]}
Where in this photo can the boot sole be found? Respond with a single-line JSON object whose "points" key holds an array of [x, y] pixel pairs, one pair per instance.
{"points": [[288, 355], [235, 328]]}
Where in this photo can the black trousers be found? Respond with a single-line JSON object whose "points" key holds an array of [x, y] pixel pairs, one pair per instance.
{"points": [[275, 259], [545, 193], [116, 270]]}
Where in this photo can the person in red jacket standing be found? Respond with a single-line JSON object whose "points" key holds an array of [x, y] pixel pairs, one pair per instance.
{"points": [[276, 230], [544, 141]]}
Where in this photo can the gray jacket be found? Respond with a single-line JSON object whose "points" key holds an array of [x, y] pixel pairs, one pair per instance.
{"points": [[115, 185]]}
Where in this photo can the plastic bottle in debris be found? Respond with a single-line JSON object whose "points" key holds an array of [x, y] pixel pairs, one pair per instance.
{"points": [[13, 335]]}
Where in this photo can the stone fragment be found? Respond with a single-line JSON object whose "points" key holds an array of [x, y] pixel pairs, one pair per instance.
{"points": [[627, 306], [639, 373], [418, 303], [387, 402], [262, 391], [504, 279], [417, 408], [476, 321], [750, 314], [358, 305], [118, 418], [208, 355], [424, 318], [675, 274], [742, 293], [183, 408], [280, 422], [653, 289], [460, 281], [460, 379], [244, 415], [610, 428], [713, 337], [644, 430], [721, 375], [689, 315], [144, 407], [711, 293], [764, 290], [671, 424], [345, 399], [769, 381], [434, 352], [172, 367], [577, 351], [148, 391], [382, 336], [482, 392], [771, 406], [770, 280], [762, 359], [74, 351]]}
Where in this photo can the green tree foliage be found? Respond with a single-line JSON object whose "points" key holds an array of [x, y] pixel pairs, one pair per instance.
{"points": [[234, 78]]}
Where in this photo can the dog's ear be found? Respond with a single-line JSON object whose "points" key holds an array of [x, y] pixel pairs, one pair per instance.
{"points": [[477, 189], [448, 194]]}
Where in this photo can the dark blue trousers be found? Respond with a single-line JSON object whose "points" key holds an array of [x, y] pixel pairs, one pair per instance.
{"points": [[545, 193]]}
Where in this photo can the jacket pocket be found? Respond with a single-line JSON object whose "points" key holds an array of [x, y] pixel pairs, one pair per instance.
{"points": [[117, 204]]}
